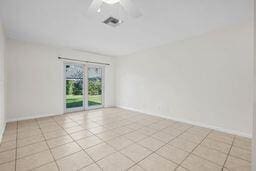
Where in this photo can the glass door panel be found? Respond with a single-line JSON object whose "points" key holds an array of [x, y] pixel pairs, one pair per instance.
{"points": [[94, 87], [74, 75]]}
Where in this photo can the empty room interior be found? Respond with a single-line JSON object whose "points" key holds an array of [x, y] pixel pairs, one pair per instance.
{"points": [[127, 85]]}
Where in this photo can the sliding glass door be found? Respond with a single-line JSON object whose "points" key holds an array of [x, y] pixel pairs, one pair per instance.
{"points": [[95, 86], [74, 85], [83, 87]]}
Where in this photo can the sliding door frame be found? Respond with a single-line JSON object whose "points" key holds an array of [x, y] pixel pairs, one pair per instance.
{"points": [[85, 87], [68, 110], [102, 86]]}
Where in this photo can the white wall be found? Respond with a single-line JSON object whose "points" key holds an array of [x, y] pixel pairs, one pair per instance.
{"points": [[254, 104], [35, 79], [254, 117], [2, 81], [206, 80]]}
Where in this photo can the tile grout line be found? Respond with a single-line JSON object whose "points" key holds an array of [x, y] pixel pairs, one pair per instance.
{"points": [[193, 151], [135, 142], [103, 141], [79, 146], [229, 153], [120, 135], [75, 140], [239, 158], [174, 147], [189, 153], [154, 151], [113, 138], [16, 149], [218, 150], [213, 150], [43, 151], [48, 147], [41, 142], [116, 151], [54, 158], [184, 131], [147, 136]]}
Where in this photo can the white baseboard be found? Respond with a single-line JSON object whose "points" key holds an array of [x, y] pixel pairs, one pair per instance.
{"points": [[191, 122], [2, 131], [109, 106], [40, 116], [30, 117]]}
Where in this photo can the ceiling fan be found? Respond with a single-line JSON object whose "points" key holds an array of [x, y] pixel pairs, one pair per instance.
{"points": [[128, 6]]}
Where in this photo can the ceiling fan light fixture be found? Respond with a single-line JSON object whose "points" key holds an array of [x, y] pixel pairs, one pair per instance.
{"points": [[111, 1], [126, 5]]}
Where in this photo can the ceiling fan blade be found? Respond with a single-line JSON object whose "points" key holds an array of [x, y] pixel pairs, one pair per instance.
{"points": [[131, 8], [95, 5]]}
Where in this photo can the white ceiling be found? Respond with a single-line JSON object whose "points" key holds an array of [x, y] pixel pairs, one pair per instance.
{"points": [[65, 23]]}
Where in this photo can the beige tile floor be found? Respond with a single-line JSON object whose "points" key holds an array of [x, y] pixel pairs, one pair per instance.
{"points": [[114, 139]]}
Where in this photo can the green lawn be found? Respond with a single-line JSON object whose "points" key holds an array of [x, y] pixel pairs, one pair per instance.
{"points": [[77, 100]]}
